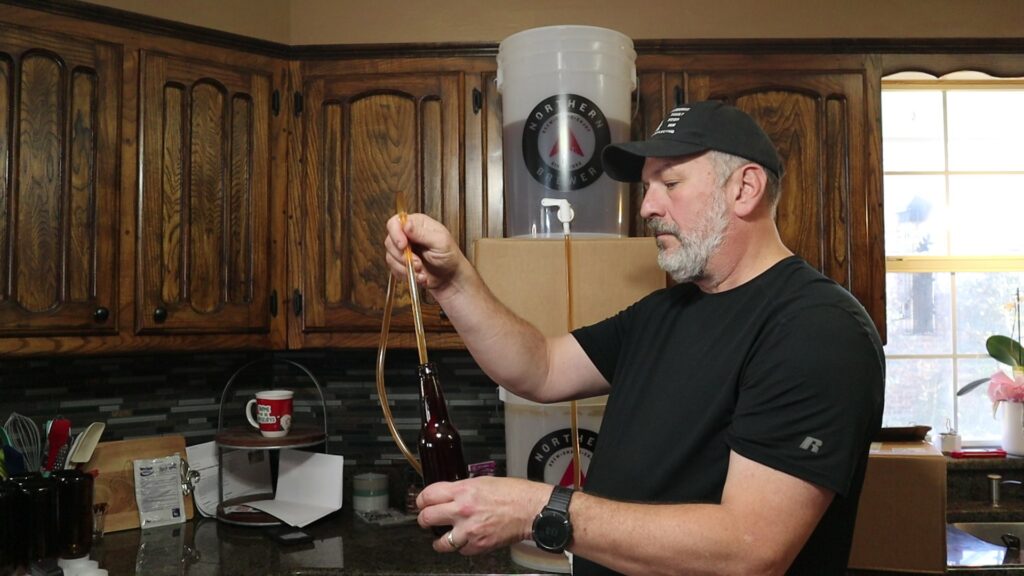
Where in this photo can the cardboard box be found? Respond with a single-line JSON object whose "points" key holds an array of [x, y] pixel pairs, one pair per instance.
{"points": [[901, 519], [529, 276]]}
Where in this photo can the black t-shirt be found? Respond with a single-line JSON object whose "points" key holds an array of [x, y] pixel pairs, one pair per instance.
{"points": [[786, 370]]}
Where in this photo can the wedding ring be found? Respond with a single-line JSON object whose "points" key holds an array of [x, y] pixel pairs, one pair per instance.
{"points": [[451, 541]]}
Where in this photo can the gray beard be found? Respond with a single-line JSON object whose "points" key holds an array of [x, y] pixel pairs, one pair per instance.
{"points": [[688, 261]]}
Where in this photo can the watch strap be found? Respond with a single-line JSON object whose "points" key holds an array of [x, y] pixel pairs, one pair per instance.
{"points": [[559, 500]]}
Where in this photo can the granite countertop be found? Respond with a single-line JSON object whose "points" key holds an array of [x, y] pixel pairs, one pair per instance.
{"points": [[970, 501], [343, 544]]}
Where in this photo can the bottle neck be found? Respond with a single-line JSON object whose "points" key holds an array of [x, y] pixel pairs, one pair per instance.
{"points": [[433, 407]]}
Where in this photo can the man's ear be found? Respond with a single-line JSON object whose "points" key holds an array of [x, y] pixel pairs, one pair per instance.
{"points": [[751, 182]]}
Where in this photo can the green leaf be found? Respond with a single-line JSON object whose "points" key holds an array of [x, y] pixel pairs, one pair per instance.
{"points": [[971, 386], [1005, 349]]}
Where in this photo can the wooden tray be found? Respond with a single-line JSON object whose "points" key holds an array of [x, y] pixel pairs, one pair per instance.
{"points": [[115, 482], [246, 438]]}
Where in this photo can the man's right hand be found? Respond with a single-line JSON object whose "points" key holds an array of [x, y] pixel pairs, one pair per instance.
{"points": [[436, 257], [509, 349]]}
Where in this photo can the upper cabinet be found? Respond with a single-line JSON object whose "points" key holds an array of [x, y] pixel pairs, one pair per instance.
{"points": [[204, 250], [59, 179], [209, 193], [368, 138], [821, 117]]}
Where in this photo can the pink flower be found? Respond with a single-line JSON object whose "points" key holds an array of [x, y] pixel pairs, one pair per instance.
{"points": [[1002, 387]]}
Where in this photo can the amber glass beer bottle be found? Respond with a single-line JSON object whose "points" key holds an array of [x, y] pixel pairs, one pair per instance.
{"points": [[440, 446]]}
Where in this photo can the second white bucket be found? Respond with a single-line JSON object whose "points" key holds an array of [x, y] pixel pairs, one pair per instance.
{"points": [[565, 95], [538, 446]]}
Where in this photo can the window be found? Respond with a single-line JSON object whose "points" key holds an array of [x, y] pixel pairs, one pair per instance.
{"points": [[953, 161]]}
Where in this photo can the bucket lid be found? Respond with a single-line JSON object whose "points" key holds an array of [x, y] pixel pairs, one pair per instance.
{"points": [[554, 35], [555, 48]]}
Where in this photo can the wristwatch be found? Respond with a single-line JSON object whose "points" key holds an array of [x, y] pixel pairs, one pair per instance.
{"points": [[552, 530]]}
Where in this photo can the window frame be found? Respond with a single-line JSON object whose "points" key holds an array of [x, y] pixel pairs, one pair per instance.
{"points": [[897, 264]]}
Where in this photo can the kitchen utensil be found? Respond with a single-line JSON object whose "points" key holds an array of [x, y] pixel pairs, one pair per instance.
{"points": [[85, 444], [25, 437], [62, 456], [57, 432], [14, 461]]}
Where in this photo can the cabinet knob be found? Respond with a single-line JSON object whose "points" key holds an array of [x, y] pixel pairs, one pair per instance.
{"points": [[160, 314], [101, 314]]}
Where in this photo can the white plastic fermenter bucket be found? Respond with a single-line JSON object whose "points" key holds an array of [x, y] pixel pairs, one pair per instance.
{"points": [[538, 446], [565, 95]]}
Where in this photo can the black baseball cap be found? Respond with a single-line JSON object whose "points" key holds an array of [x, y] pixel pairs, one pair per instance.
{"points": [[691, 129]]}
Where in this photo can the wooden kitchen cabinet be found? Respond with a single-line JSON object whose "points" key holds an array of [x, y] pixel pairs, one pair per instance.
{"points": [[204, 239], [821, 113], [366, 138], [59, 182], [162, 191]]}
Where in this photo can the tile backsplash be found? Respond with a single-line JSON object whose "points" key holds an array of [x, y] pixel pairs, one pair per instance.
{"points": [[154, 394]]}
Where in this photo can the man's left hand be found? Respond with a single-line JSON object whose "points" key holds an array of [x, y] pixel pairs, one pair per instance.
{"points": [[484, 513]]}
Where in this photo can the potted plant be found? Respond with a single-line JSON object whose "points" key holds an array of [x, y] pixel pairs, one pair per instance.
{"points": [[1003, 388]]}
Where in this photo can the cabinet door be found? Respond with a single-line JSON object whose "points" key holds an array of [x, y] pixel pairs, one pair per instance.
{"points": [[204, 225], [59, 178], [369, 138], [830, 208]]}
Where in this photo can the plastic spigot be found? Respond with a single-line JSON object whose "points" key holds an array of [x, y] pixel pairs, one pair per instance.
{"points": [[565, 212]]}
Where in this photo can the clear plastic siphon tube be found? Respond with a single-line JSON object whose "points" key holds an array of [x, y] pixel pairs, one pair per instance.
{"points": [[382, 394]]}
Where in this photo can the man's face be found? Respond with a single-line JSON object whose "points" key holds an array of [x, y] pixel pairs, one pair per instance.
{"points": [[687, 211]]}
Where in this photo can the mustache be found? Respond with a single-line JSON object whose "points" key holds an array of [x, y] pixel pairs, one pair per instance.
{"points": [[660, 226]]}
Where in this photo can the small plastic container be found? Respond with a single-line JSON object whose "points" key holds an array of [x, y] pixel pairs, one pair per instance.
{"points": [[370, 492]]}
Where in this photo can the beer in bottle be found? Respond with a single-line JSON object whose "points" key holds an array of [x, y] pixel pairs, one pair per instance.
{"points": [[440, 446]]}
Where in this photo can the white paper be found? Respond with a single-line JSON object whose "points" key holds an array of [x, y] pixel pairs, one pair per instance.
{"points": [[309, 487], [247, 472]]}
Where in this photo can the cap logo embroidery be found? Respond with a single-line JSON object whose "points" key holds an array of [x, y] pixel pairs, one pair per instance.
{"points": [[668, 125]]}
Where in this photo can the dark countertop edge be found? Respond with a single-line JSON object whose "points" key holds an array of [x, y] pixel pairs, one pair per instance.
{"points": [[1010, 462]]}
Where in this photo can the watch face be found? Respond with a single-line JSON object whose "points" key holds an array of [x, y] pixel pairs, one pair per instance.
{"points": [[551, 531]]}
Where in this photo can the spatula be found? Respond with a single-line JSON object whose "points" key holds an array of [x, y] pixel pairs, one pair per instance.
{"points": [[85, 444]]}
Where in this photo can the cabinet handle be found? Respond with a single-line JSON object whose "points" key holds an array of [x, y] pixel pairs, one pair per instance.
{"points": [[101, 314], [273, 303], [160, 314], [679, 96], [478, 100]]}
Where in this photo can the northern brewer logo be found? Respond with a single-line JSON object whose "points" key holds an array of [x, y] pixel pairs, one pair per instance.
{"points": [[562, 142], [550, 460]]}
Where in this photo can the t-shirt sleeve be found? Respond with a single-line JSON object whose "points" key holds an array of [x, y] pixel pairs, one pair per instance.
{"points": [[811, 396], [602, 342]]}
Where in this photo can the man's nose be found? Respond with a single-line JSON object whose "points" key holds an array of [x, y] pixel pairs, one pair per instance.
{"points": [[651, 206]]}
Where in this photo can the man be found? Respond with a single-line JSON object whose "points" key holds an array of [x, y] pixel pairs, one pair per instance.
{"points": [[742, 401]]}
